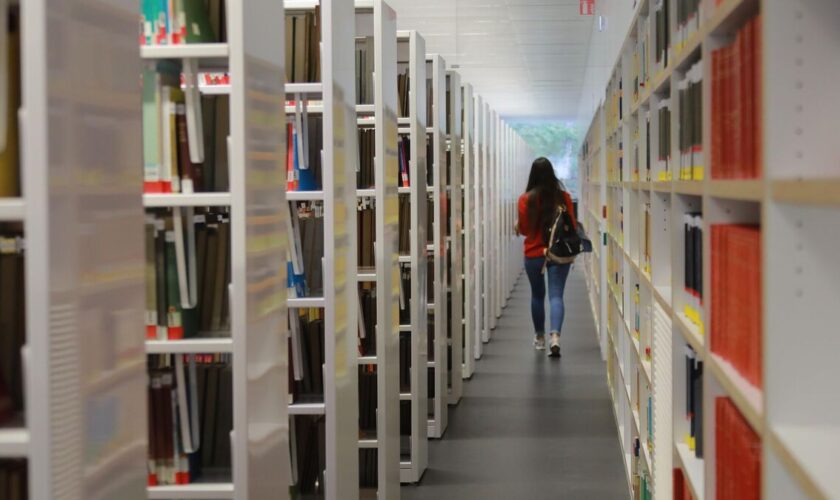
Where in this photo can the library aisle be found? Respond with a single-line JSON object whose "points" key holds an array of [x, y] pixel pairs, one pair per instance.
{"points": [[528, 426]]}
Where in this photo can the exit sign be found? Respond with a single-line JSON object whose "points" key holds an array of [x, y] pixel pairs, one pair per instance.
{"points": [[587, 7]]}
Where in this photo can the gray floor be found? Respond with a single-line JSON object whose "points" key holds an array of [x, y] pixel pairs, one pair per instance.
{"points": [[530, 427]]}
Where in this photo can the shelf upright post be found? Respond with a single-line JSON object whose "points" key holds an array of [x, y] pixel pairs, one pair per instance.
{"points": [[82, 306], [386, 252], [412, 471], [485, 221], [455, 289], [437, 424], [341, 381], [469, 332], [477, 222], [602, 210], [258, 308]]}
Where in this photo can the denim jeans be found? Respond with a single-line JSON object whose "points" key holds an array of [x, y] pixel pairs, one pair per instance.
{"points": [[557, 274]]}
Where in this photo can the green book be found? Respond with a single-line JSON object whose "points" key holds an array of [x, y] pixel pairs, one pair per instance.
{"points": [[195, 18]]}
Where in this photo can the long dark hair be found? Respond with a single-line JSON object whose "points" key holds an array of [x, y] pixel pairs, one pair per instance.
{"points": [[545, 194]]}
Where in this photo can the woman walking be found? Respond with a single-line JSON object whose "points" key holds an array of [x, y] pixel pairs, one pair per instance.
{"points": [[538, 208]]}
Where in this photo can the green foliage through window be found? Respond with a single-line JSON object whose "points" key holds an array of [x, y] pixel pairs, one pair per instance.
{"points": [[557, 141]]}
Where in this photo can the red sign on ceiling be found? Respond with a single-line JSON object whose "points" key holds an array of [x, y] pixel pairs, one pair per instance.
{"points": [[587, 7]]}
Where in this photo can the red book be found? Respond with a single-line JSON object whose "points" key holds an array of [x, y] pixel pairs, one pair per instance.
{"points": [[747, 95], [738, 455]]}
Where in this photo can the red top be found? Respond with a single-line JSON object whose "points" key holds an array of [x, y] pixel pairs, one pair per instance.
{"points": [[534, 244]]}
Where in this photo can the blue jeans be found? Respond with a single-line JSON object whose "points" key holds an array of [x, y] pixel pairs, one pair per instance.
{"points": [[557, 274]]}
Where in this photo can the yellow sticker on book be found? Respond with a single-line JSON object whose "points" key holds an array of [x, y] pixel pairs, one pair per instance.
{"points": [[697, 173]]}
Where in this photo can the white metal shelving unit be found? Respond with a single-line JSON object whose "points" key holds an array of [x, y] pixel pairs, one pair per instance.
{"points": [[260, 439], [412, 48], [796, 204], [436, 71], [484, 222], [339, 197], [455, 252], [78, 301], [380, 22], [472, 339]]}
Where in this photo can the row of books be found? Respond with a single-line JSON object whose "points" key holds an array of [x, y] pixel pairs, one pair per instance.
{"points": [[694, 401], [367, 319], [736, 298], [403, 88], [13, 479], [305, 274], [307, 358], [663, 153], [365, 174], [308, 441], [738, 454], [662, 47], [364, 70], [688, 21], [12, 327], [190, 403], [405, 225], [9, 155], [304, 143], [690, 107], [641, 59], [405, 294], [174, 160], [693, 262], [303, 46], [736, 140], [641, 483], [173, 22], [187, 273], [366, 224]]}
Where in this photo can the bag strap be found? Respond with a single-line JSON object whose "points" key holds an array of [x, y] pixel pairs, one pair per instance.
{"points": [[551, 238]]}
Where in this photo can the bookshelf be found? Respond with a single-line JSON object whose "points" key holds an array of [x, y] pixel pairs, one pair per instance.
{"points": [[335, 414], [479, 190], [469, 186], [487, 273], [47, 380], [415, 460], [438, 378], [379, 23], [454, 288], [770, 207], [247, 198]]}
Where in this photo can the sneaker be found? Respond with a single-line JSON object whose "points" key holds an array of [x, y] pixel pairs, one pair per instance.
{"points": [[554, 345], [539, 342]]}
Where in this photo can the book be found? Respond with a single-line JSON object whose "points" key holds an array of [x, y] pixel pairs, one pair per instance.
{"points": [[187, 274], [303, 46], [308, 455], [693, 266], [9, 154], [12, 326], [736, 298], [364, 70], [174, 22], [736, 112], [694, 401], [690, 110], [14, 484], [190, 417], [664, 150], [737, 454]]}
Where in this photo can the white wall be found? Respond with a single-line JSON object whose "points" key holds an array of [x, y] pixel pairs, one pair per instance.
{"points": [[605, 44]]}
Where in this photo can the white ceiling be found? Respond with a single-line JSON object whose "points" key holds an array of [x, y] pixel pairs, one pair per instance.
{"points": [[527, 58]]}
